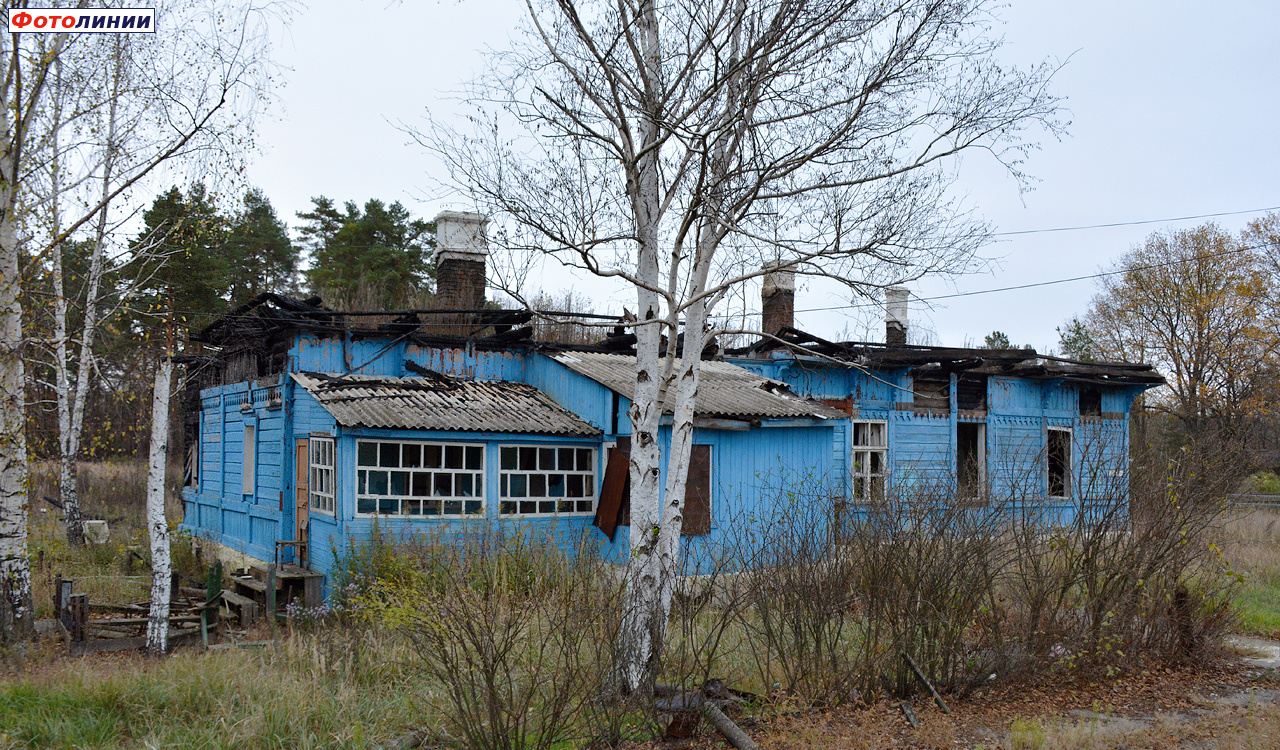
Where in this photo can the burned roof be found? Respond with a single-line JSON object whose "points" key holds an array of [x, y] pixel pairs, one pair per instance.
{"points": [[438, 402], [1019, 363], [724, 390]]}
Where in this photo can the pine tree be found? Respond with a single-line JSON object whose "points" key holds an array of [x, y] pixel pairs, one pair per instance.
{"points": [[260, 255], [378, 256]]}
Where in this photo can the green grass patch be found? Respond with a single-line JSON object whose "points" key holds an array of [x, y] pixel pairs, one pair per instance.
{"points": [[207, 700], [1258, 606]]}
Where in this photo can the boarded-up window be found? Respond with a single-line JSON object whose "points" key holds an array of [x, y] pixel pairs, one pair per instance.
{"points": [[250, 458], [931, 390], [697, 493]]}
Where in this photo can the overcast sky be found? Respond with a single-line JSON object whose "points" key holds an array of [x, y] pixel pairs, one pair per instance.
{"points": [[1174, 108]]}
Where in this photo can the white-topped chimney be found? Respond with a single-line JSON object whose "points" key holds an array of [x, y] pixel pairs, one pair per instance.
{"points": [[461, 250]]}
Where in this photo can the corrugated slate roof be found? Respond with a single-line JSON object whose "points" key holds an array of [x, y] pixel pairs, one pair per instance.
{"points": [[441, 403], [724, 390]]}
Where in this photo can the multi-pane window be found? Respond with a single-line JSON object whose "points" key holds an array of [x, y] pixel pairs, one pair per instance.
{"points": [[870, 445], [419, 479], [320, 487], [537, 480]]}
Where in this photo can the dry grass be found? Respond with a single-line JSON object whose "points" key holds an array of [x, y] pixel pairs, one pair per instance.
{"points": [[111, 573], [1251, 545]]}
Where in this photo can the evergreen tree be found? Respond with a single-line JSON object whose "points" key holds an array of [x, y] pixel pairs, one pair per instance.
{"points": [[378, 256], [180, 260], [260, 255], [996, 340]]}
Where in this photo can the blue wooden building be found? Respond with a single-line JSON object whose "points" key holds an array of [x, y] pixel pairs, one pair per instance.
{"points": [[306, 425]]}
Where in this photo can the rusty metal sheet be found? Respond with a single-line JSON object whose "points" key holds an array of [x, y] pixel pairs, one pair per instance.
{"points": [[441, 403], [724, 390]]}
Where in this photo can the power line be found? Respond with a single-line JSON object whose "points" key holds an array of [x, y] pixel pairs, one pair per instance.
{"points": [[1133, 223], [1029, 285]]}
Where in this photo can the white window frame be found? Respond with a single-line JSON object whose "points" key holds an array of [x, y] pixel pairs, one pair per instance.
{"points": [[411, 505], [321, 492], [1068, 478], [547, 505], [865, 478], [249, 460]]}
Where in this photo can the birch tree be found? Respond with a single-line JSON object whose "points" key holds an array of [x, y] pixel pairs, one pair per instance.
{"points": [[25, 76], [157, 523], [217, 68], [125, 107], [678, 145]]}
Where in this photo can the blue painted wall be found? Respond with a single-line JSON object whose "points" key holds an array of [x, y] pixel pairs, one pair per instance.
{"points": [[751, 469]]}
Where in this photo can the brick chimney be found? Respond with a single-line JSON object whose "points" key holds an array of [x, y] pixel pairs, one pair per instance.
{"points": [[895, 314], [461, 249], [778, 298]]}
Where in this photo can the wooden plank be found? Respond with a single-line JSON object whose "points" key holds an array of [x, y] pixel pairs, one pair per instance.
{"points": [[272, 583], [612, 490], [118, 621], [78, 616], [302, 502], [244, 606], [311, 593]]}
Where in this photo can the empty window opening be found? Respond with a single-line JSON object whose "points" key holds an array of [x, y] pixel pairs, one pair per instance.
{"points": [[1059, 449], [931, 390], [971, 392], [971, 461], [1090, 402]]}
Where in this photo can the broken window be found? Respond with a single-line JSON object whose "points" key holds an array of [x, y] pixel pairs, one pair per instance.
{"points": [[931, 390], [419, 479], [971, 392], [192, 473], [615, 489], [971, 461], [1059, 463], [870, 450], [320, 488], [615, 493], [1090, 402], [542, 480]]}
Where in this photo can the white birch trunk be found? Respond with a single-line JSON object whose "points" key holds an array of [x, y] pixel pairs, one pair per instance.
{"points": [[157, 524], [16, 614], [16, 621], [648, 591], [75, 400], [67, 447]]}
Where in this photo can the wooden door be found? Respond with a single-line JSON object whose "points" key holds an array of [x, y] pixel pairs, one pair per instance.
{"points": [[301, 502]]}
